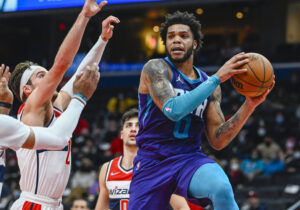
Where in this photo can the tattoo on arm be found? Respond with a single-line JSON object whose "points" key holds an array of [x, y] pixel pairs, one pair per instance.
{"points": [[216, 100], [160, 85]]}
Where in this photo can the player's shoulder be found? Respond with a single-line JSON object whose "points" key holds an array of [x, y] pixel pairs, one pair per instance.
{"points": [[156, 68]]}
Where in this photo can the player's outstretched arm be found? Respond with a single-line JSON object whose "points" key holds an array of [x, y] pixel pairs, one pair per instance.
{"points": [[221, 133], [65, 54], [57, 136], [93, 56], [103, 199], [6, 96]]}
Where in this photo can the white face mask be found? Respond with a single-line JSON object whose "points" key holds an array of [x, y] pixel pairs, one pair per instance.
{"points": [[234, 166], [297, 155], [261, 131]]}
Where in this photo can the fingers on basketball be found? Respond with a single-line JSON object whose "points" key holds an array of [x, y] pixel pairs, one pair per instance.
{"points": [[258, 78]]}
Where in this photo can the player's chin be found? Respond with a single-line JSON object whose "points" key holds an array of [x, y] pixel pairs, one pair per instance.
{"points": [[131, 143]]}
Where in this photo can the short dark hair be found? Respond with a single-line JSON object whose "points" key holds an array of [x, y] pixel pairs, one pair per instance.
{"points": [[129, 114], [184, 18], [16, 76]]}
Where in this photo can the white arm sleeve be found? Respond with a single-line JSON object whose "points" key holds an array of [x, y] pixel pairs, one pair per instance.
{"points": [[13, 133], [93, 56], [58, 135]]}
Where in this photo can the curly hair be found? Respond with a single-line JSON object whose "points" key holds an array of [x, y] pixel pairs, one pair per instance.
{"points": [[184, 18]]}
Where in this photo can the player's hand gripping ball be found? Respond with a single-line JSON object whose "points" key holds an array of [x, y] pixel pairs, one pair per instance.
{"points": [[257, 79]]}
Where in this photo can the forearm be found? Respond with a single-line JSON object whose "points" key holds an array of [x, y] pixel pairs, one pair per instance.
{"points": [[178, 107], [93, 56], [57, 136], [227, 131], [71, 43]]}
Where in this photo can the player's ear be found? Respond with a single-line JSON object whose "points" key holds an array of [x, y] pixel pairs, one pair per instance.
{"points": [[195, 44], [121, 134], [27, 89]]}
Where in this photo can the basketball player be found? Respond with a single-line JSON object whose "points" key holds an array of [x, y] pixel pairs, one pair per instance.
{"points": [[41, 169], [177, 103], [115, 175], [15, 135]]}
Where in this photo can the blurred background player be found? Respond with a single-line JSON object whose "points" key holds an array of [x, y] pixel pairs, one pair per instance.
{"points": [[115, 175], [80, 204], [177, 103]]}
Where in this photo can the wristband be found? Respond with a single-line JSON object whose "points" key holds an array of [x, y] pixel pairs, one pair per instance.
{"points": [[80, 97], [6, 105]]}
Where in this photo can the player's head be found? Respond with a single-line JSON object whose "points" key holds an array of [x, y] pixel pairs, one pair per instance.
{"points": [[130, 127], [26, 76], [181, 34], [80, 204]]}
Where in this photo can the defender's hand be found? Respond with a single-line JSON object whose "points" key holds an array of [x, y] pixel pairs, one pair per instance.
{"points": [[107, 28], [5, 93], [86, 83], [91, 7]]}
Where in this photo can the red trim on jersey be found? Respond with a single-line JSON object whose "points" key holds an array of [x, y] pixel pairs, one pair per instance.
{"points": [[56, 113], [115, 173], [21, 108], [31, 206]]}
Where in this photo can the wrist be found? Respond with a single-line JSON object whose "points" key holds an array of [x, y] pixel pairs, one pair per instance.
{"points": [[80, 98], [103, 39], [84, 14], [5, 105]]}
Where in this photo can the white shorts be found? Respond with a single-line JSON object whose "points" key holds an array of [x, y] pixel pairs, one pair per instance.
{"points": [[28, 201]]}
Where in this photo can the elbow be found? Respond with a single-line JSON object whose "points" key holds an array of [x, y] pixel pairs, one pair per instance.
{"points": [[173, 117]]}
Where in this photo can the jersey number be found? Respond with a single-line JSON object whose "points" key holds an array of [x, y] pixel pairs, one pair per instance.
{"points": [[69, 151], [182, 127], [123, 204]]}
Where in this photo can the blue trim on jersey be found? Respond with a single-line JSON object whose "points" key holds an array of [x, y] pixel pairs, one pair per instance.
{"points": [[183, 75], [2, 170], [37, 172], [149, 102], [31, 206], [45, 150]]}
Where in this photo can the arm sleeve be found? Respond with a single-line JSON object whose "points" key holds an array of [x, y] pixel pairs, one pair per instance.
{"points": [[13, 133], [58, 135], [178, 107], [93, 56]]}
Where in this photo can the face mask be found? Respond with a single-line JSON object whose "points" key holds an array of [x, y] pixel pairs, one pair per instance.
{"points": [[279, 119], [234, 166], [297, 155], [261, 131], [254, 157]]}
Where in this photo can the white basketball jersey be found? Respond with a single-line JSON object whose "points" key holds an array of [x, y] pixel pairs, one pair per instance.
{"points": [[44, 172], [2, 167], [118, 182]]}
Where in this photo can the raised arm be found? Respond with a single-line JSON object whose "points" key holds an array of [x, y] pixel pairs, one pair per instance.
{"points": [[6, 96], [65, 54], [221, 133], [103, 199], [93, 56]]}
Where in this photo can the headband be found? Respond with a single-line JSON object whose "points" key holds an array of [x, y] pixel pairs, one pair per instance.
{"points": [[26, 76]]}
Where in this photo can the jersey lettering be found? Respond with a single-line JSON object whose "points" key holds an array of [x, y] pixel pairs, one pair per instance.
{"points": [[68, 155], [123, 204]]}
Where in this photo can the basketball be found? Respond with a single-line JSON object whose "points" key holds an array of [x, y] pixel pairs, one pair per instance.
{"points": [[257, 79]]}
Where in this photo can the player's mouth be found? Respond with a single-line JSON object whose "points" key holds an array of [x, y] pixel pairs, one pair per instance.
{"points": [[132, 136], [177, 50]]}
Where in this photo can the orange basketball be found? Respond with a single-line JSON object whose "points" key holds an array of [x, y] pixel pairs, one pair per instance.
{"points": [[257, 79]]}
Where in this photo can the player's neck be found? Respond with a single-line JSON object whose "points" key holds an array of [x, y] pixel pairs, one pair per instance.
{"points": [[128, 157], [187, 68]]}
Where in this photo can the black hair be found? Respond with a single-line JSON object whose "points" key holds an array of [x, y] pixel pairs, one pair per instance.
{"points": [[184, 18]]}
